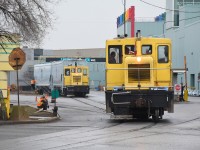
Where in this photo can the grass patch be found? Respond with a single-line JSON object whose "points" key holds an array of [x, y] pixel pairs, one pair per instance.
{"points": [[24, 112]]}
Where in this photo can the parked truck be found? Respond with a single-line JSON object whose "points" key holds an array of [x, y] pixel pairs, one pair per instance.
{"points": [[69, 77]]}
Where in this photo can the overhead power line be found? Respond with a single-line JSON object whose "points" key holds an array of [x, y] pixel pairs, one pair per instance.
{"points": [[179, 21], [189, 18], [184, 19], [169, 9]]}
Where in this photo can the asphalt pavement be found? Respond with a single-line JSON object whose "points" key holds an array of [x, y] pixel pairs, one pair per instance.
{"points": [[31, 120]]}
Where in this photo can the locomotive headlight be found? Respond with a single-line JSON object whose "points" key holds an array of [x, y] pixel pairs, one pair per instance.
{"points": [[138, 59]]}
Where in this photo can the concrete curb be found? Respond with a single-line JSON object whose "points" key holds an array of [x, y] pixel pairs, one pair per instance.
{"points": [[31, 121]]}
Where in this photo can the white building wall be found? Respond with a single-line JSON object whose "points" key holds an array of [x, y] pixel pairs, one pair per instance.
{"points": [[186, 43]]}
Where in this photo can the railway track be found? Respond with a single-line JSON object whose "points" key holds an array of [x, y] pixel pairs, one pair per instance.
{"points": [[90, 102]]}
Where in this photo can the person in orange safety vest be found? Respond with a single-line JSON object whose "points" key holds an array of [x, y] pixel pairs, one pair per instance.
{"points": [[42, 103], [33, 84]]}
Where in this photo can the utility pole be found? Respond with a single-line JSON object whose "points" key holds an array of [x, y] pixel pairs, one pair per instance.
{"points": [[124, 18], [185, 91], [185, 65]]}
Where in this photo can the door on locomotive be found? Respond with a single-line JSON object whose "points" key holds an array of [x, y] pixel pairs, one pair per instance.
{"points": [[76, 80], [139, 82]]}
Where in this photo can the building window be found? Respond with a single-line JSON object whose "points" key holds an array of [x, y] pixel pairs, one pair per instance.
{"points": [[186, 2], [192, 80], [37, 53], [197, 1], [178, 3], [176, 17]]}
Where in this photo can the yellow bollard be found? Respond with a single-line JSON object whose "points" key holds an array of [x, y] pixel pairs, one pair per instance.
{"points": [[5, 105], [185, 95], [7, 102]]}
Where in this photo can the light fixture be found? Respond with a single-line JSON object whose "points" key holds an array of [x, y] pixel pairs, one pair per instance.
{"points": [[138, 59]]}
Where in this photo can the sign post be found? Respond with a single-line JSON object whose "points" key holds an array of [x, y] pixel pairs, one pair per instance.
{"points": [[17, 59]]}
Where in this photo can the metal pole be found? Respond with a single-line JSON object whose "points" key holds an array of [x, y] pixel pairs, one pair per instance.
{"points": [[124, 18], [17, 59], [164, 28], [17, 89], [185, 72]]}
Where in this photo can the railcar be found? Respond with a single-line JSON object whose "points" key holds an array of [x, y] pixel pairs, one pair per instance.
{"points": [[67, 78], [139, 77]]}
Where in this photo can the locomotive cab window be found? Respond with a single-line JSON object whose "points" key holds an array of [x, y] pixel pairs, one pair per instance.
{"points": [[129, 49], [79, 70], [67, 72], [85, 72], [73, 70], [163, 54], [146, 49], [115, 54]]}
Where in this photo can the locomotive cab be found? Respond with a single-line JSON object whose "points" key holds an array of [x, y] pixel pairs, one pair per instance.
{"points": [[139, 82]]}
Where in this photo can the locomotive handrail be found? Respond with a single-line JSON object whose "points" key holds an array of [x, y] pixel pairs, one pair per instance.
{"points": [[140, 87], [138, 68]]}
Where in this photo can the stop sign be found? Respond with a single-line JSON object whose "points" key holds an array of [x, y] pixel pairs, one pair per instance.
{"points": [[177, 87], [17, 58]]}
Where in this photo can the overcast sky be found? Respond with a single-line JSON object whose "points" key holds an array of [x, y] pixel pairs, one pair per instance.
{"points": [[88, 23]]}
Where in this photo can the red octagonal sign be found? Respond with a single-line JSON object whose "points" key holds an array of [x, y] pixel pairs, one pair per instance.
{"points": [[177, 87]]}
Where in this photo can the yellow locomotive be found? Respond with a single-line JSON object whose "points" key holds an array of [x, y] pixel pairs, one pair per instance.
{"points": [[76, 80], [139, 77]]}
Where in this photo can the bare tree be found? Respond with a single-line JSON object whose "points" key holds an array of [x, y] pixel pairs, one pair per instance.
{"points": [[28, 19]]}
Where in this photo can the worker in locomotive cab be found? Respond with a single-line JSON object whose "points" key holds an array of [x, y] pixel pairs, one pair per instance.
{"points": [[163, 54], [112, 59], [146, 49], [129, 49]]}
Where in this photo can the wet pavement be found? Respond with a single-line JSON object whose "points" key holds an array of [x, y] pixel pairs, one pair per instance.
{"points": [[32, 119], [85, 125]]}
